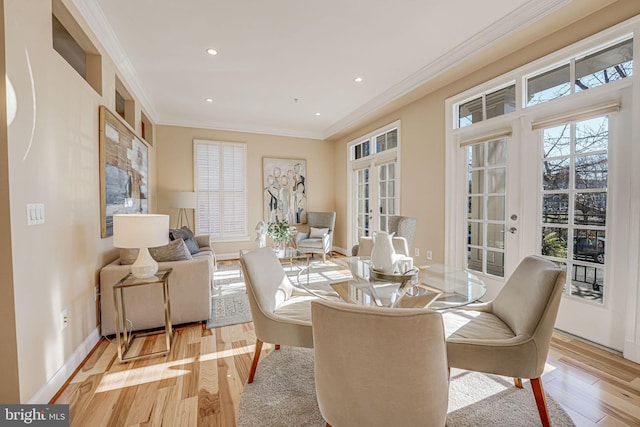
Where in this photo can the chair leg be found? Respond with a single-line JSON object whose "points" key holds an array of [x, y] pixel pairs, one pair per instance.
{"points": [[541, 402], [277, 346], [254, 364], [518, 382]]}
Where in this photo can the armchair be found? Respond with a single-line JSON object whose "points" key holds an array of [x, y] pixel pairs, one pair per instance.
{"points": [[401, 226], [510, 335], [319, 239]]}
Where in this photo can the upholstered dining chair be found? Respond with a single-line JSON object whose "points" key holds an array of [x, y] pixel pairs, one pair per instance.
{"points": [[281, 313], [401, 226], [319, 239], [379, 366], [510, 335]]}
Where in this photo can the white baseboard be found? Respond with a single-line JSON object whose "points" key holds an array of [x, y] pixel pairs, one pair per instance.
{"points": [[46, 392], [632, 351]]}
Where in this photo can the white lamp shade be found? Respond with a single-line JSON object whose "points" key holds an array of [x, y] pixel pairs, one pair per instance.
{"points": [[140, 230], [182, 199]]}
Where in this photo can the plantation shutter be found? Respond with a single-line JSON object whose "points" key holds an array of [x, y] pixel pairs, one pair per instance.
{"points": [[220, 187]]}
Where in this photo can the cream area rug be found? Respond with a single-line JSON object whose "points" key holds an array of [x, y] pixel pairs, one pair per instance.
{"points": [[230, 305], [283, 394]]}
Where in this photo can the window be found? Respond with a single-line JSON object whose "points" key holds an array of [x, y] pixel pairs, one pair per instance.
{"points": [[574, 202], [549, 85], [596, 69], [220, 186], [491, 104], [604, 66], [486, 197]]}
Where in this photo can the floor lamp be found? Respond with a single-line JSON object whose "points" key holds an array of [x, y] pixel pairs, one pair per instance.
{"points": [[183, 200]]}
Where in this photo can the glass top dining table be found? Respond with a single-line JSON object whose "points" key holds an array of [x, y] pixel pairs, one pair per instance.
{"points": [[434, 285]]}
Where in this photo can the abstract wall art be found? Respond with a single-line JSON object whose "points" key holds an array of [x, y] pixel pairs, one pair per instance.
{"points": [[285, 190]]}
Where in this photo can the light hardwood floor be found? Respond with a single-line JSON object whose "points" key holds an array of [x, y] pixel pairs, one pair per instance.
{"points": [[200, 382]]}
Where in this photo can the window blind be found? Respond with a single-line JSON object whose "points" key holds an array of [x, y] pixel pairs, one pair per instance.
{"points": [[220, 186]]}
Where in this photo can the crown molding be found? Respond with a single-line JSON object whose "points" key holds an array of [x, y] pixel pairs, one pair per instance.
{"points": [[264, 130], [525, 15], [94, 16]]}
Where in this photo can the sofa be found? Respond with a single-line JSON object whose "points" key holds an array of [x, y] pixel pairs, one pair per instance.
{"points": [[190, 290]]}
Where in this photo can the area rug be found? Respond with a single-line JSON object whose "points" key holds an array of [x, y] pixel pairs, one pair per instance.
{"points": [[230, 305], [283, 394]]}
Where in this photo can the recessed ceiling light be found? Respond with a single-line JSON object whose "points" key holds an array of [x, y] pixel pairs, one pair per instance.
{"points": [[209, 99], [211, 51], [358, 79], [317, 114]]}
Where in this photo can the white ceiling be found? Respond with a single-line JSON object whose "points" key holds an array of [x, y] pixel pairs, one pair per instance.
{"points": [[272, 52]]}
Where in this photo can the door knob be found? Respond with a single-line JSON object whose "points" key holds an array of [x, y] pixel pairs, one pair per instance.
{"points": [[513, 230]]}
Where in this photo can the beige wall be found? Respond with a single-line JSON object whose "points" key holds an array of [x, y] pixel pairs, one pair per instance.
{"points": [[423, 122], [175, 171], [10, 389], [55, 264]]}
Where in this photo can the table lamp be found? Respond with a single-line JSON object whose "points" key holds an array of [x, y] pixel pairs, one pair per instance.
{"points": [[182, 200], [141, 231]]}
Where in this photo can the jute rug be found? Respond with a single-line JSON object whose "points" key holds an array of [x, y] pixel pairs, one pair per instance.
{"points": [[283, 394], [230, 305]]}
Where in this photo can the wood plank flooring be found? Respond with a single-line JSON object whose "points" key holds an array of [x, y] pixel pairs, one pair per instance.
{"points": [[199, 383]]}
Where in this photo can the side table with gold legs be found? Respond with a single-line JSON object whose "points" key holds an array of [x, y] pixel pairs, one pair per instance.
{"points": [[125, 339]]}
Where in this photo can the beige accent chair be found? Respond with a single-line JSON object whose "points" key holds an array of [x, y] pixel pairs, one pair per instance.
{"points": [[510, 335], [379, 366], [321, 244], [281, 313], [365, 246]]}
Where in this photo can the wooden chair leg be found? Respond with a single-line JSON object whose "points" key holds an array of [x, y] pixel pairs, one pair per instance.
{"points": [[254, 364], [518, 382], [541, 401], [277, 346]]}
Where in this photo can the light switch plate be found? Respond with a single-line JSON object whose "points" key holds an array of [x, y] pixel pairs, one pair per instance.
{"points": [[35, 213]]}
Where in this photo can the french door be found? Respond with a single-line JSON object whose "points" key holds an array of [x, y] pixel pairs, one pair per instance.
{"points": [[374, 181], [558, 191], [375, 192]]}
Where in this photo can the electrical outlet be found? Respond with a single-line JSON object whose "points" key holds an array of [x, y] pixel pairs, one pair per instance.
{"points": [[429, 255], [64, 319], [416, 252]]}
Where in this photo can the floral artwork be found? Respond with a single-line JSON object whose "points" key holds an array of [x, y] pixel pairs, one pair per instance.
{"points": [[285, 190]]}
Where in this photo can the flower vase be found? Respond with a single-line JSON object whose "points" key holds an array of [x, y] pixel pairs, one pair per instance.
{"points": [[281, 247], [383, 254]]}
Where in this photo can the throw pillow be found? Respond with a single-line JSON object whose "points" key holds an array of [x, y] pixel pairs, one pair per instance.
{"points": [[317, 233], [187, 235], [176, 250], [128, 256]]}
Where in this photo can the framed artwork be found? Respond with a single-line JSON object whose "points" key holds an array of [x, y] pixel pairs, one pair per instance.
{"points": [[285, 190], [123, 171]]}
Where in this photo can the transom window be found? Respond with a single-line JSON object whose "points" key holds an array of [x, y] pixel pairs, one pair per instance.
{"points": [[384, 141], [575, 74]]}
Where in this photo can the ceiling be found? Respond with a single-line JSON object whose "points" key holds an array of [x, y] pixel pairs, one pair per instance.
{"points": [[287, 67]]}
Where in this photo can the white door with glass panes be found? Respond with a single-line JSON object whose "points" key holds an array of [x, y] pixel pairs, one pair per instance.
{"points": [[579, 161], [568, 188], [374, 182]]}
